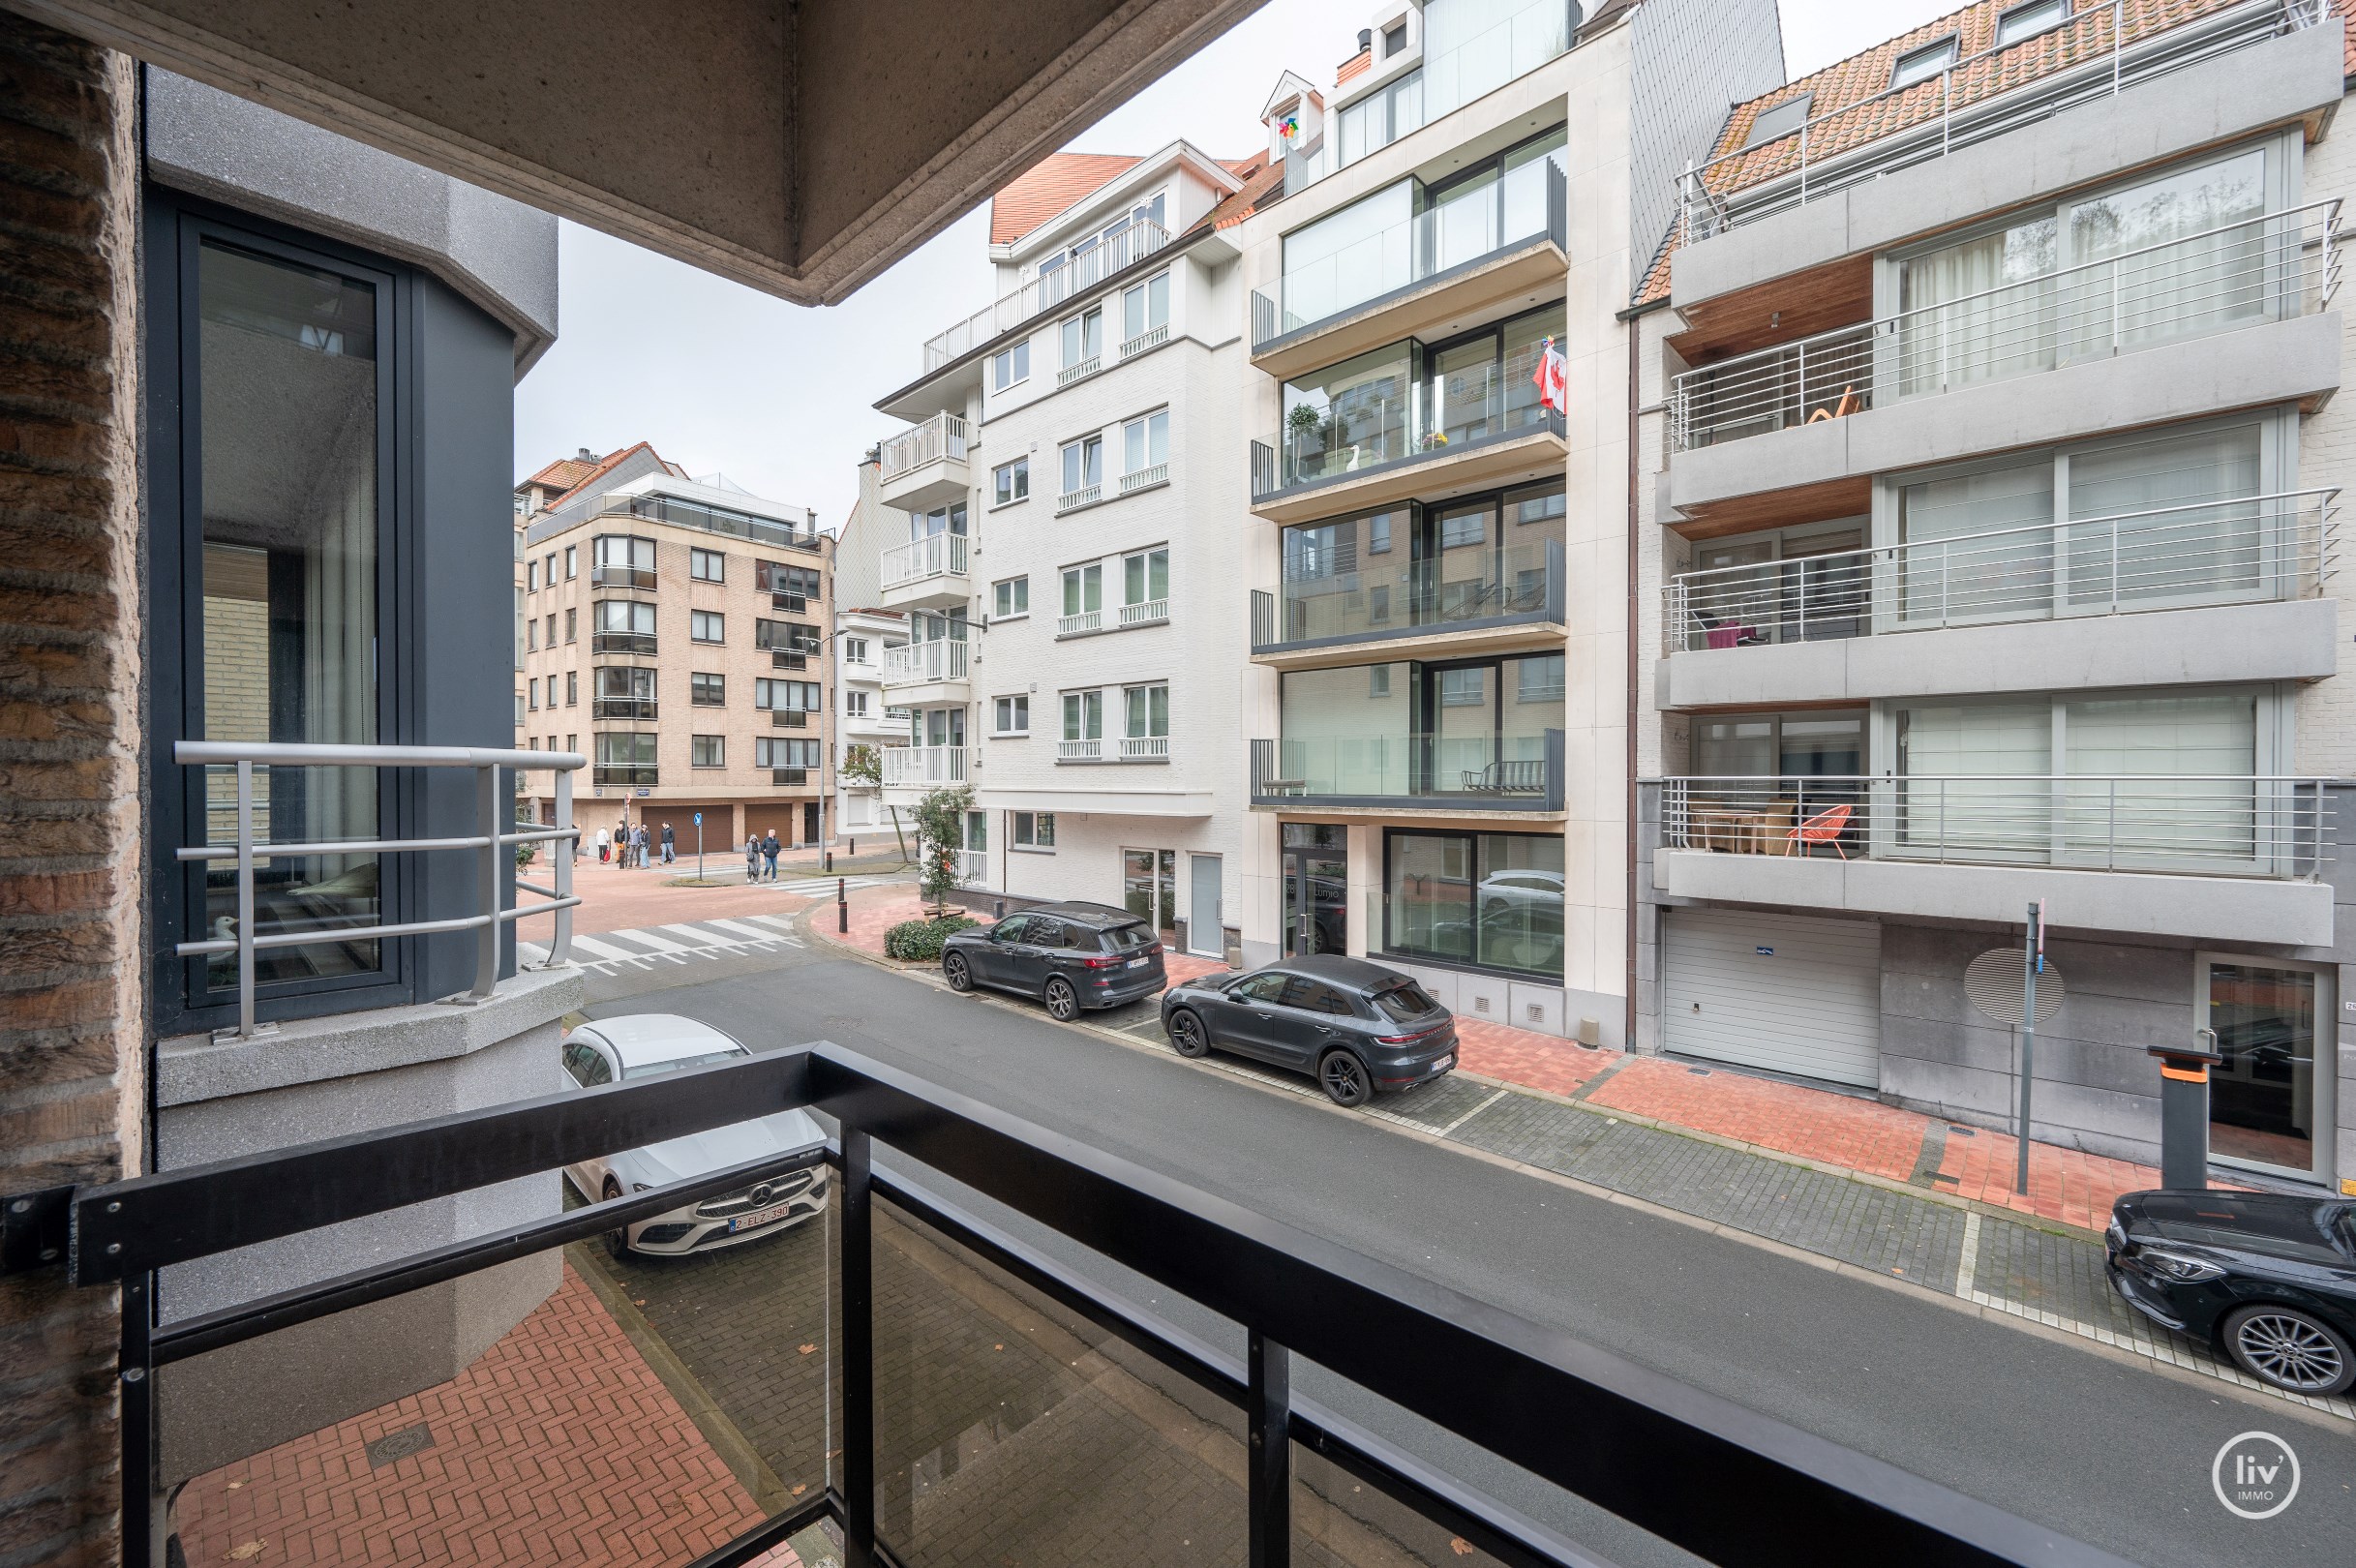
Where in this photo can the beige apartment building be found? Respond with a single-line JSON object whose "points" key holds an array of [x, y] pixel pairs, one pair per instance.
{"points": [[674, 632]]}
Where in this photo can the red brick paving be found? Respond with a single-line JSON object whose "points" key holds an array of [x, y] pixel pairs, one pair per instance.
{"points": [[616, 900], [558, 1446], [1520, 1056], [1839, 1130]]}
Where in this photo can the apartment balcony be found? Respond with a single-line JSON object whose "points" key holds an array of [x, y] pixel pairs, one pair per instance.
{"points": [[1411, 775], [1481, 253], [2213, 591], [639, 577], [788, 777], [641, 644], [1115, 748], [792, 604], [1119, 249], [923, 767], [622, 708], [930, 573], [925, 675], [2233, 317], [789, 658], [925, 465], [1512, 600], [791, 719], [1417, 451], [625, 775], [2214, 856], [973, 867]]}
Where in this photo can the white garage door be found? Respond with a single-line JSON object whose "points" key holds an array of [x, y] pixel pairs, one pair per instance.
{"points": [[1777, 991]]}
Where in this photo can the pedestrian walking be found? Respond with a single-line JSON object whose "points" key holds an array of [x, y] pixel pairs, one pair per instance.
{"points": [[670, 855], [752, 858], [638, 842], [605, 846], [769, 854]]}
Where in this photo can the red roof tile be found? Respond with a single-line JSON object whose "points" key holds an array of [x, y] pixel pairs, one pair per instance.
{"points": [[1861, 82], [1357, 65], [1260, 177], [592, 472], [1049, 187]]}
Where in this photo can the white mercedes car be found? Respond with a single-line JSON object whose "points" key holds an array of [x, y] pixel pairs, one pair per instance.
{"points": [[633, 1049]]}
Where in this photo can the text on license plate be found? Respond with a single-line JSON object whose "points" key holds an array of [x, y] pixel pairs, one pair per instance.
{"points": [[1444, 1063], [760, 1217], [1136, 963]]}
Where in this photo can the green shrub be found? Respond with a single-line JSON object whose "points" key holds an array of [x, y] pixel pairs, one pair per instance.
{"points": [[920, 941]]}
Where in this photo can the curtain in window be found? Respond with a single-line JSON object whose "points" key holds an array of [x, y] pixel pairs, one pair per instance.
{"points": [[1972, 547], [2188, 258], [1945, 803], [1976, 311], [2200, 536], [2148, 811]]}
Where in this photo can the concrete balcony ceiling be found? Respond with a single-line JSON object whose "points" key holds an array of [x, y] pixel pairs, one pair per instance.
{"points": [[798, 148]]}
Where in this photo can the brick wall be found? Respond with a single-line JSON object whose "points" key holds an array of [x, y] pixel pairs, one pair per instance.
{"points": [[70, 818]]}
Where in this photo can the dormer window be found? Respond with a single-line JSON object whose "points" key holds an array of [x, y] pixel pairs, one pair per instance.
{"points": [[1923, 64]]}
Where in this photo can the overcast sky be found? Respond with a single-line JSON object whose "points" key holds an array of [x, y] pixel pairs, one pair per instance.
{"points": [[776, 395]]}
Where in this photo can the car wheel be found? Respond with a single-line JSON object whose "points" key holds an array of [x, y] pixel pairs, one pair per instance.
{"points": [[960, 974], [1063, 1002], [2291, 1349], [1188, 1034], [617, 1239], [1342, 1077]]}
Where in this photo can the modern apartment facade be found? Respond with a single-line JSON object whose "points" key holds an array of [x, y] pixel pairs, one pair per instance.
{"points": [[1071, 636], [866, 725], [1439, 486], [1988, 555], [674, 632]]}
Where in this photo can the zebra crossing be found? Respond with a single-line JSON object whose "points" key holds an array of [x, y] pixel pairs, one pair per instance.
{"points": [[609, 953]]}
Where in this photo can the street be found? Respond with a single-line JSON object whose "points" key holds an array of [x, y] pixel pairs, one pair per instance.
{"points": [[2090, 1443]]}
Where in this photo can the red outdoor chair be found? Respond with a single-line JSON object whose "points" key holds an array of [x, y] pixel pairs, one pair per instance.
{"points": [[1824, 827]]}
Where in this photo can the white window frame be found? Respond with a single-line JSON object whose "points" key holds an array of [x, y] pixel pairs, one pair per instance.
{"points": [[1009, 588], [1015, 705], [1011, 483], [1016, 359]]}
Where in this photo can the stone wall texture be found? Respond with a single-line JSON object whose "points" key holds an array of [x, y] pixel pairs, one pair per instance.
{"points": [[71, 811]]}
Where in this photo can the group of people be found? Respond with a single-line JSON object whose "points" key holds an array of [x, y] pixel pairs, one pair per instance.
{"points": [[758, 852], [630, 846]]}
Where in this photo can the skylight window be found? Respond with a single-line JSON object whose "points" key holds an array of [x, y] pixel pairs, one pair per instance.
{"points": [[1781, 120], [1923, 64], [2028, 20]]}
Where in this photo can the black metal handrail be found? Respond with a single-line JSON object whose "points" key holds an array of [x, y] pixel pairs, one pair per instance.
{"points": [[1707, 1476]]}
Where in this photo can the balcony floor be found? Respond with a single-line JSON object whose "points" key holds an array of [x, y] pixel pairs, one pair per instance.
{"points": [[1424, 643], [1538, 452], [1436, 308]]}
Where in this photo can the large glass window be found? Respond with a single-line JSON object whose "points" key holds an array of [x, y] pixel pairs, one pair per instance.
{"points": [[1353, 415], [290, 416], [1145, 308], [1477, 727], [1489, 899]]}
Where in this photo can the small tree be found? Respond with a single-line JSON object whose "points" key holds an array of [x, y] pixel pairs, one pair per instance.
{"points": [[940, 834], [862, 764]]}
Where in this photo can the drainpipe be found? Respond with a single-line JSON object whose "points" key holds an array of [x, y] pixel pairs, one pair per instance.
{"points": [[1628, 1014]]}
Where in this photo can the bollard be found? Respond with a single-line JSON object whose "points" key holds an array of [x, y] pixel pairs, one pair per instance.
{"points": [[842, 908], [2184, 1110], [855, 849], [829, 859]]}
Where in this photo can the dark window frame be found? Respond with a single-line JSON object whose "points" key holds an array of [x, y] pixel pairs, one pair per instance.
{"points": [[1473, 836]]}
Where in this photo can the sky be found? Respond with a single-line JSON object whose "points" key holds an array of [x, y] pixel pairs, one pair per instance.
{"points": [[778, 397]]}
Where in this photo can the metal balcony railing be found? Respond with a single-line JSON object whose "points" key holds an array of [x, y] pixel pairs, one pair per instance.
{"points": [[2169, 558], [622, 708], [1465, 589], [915, 663], [788, 658], [621, 577], [2236, 275], [1479, 772], [923, 765], [943, 436], [1464, 230], [2211, 824], [2105, 49], [1073, 1371], [936, 554], [788, 718], [625, 775], [736, 525], [793, 604], [1119, 248], [492, 844], [789, 775], [622, 641]]}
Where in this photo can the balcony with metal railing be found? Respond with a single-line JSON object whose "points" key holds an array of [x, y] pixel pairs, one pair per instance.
{"points": [[625, 775], [269, 913], [925, 465], [1469, 254], [930, 572], [1470, 601], [940, 662], [623, 708], [622, 641], [1401, 774], [923, 767], [2107, 48], [2218, 855], [2233, 277], [1119, 249], [604, 576]]}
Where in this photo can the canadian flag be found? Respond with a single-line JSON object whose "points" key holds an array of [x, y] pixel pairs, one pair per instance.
{"points": [[1549, 377]]}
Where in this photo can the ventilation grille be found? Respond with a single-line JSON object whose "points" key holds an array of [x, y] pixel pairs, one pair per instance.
{"points": [[1993, 983]]}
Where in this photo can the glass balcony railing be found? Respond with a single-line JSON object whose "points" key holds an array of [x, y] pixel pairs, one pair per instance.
{"points": [[526, 1381], [1476, 773], [627, 776], [1389, 419], [1519, 583], [2169, 558], [622, 641], [2236, 275], [1472, 47], [722, 520], [622, 708], [1461, 229]]}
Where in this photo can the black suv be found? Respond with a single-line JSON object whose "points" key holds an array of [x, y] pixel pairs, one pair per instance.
{"points": [[1071, 956], [1357, 1026]]}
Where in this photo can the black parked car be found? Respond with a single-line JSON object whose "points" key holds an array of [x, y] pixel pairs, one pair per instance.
{"points": [[1357, 1026], [2269, 1277], [1068, 955]]}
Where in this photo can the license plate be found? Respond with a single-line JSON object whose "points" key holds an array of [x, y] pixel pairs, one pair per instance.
{"points": [[1443, 1064], [1136, 963], [759, 1218]]}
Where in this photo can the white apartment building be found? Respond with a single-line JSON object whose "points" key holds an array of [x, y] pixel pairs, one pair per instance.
{"points": [[863, 641], [1990, 458], [1435, 546], [1074, 643]]}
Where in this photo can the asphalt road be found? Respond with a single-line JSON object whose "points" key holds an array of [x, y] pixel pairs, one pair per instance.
{"points": [[2104, 1450]]}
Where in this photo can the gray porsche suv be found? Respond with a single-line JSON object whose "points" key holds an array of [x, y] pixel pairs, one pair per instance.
{"points": [[1071, 956], [1356, 1027]]}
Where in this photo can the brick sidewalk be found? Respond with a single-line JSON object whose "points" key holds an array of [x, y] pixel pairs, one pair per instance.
{"points": [[616, 900], [558, 1446]]}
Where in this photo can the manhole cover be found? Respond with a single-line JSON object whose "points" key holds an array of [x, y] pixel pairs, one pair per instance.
{"points": [[399, 1445]]}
